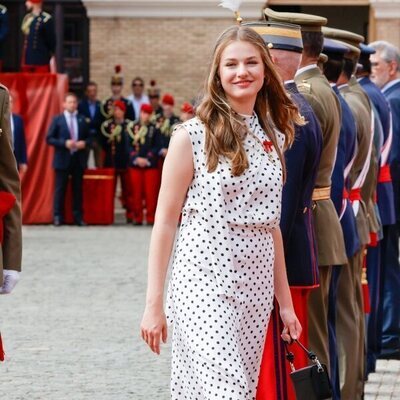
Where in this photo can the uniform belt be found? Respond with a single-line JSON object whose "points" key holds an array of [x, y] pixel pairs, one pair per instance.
{"points": [[384, 174], [323, 193], [355, 194]]}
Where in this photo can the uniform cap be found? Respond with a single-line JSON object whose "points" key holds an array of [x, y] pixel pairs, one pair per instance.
{"points": [[120, 104], [36, 1], [344, 36], [117, 78], [278, 35], [168, 99], [187, 108], [334, 47], [366, 50], [153, 90], [146, 108], [308, 22]]}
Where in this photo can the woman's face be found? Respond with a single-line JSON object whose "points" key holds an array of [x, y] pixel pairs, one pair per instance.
{"points": [[241, 71]]}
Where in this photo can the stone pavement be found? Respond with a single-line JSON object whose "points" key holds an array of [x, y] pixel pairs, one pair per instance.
{"points": [[71, 328]]}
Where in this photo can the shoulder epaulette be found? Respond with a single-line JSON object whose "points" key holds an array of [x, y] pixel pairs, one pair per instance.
{"points": [[46, 16], [3, 9], [304, 87]]}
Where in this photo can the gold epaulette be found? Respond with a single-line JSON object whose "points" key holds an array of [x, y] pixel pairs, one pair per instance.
{"points": [[26, 23], [46, 16], [304, 87]]}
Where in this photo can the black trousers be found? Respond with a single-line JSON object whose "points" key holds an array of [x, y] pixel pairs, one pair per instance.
{"points": [[75, 171]]}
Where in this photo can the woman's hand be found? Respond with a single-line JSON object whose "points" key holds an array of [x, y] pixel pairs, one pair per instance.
{"points": [[154, 327], [292, 327]]}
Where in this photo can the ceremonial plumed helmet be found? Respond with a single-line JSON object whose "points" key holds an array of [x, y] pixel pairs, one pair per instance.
{"points": [[117, 78]]}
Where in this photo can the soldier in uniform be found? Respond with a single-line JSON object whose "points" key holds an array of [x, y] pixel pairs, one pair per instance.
{"points": [[153, 92], [107, 106], [187, 112], [3, 30], [144, 141], [90, 108], [40, 38], [330, 243], [385, 74], [166, 123], [350, 311], [345, 156], [297, 223], [11, 247], [385, 199], [114, 140]]}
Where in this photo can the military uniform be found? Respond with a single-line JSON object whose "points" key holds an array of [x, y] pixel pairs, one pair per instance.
{"points": [[3, 30], [106, 108], [391, 301], [40, 42], [114, 140], [11, 249], [297, 222], [144, 142]]}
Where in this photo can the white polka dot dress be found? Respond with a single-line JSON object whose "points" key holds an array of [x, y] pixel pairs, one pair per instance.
{"points": [[221, 290]]}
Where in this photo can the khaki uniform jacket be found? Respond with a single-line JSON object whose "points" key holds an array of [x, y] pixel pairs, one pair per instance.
{"points": [[371, 181], [318, 92], [363, 124], [11, 250]]}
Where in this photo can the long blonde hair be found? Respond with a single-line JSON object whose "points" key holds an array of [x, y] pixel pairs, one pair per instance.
{"points": [[224, 128]]}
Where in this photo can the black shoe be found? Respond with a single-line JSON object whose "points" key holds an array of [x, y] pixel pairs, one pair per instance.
{"points": [[80, 222], [57, 221], [129, 220], [136, 223]]}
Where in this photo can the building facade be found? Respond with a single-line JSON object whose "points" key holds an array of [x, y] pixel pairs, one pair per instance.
{"points": [[170, 41]]}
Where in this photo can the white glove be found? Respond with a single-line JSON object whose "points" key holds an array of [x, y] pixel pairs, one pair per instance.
{"points": [[10, 279]]}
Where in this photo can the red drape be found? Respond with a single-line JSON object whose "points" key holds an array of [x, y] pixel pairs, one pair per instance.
{"points": [[38, 98]]}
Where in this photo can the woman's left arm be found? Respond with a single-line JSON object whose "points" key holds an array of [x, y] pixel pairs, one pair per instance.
{"points": [[292, 328]]}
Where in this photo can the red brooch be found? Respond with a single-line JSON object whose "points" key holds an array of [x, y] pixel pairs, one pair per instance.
{"points": [[268, 146]]}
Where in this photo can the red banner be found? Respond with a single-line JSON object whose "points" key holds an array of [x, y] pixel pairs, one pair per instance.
{"points": [[38, 98]]}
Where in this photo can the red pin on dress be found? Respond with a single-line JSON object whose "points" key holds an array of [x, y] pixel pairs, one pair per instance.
{"points": [[268, 145]]}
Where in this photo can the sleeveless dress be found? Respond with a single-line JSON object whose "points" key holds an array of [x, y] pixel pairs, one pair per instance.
{"points": [[220, 294]]}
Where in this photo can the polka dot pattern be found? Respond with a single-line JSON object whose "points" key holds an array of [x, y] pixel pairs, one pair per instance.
{"points": [[221, 290]]}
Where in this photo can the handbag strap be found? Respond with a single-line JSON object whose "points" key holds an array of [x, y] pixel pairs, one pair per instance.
{"points": [[310, 354]]}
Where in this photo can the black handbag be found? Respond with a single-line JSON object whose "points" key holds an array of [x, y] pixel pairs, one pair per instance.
{"points": [[312, 382]]}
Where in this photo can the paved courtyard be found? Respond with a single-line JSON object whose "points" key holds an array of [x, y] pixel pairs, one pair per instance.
{"points": [[71, 328]]}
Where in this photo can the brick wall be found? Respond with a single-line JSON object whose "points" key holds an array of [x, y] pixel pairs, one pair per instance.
{"points": [[174, 52]]}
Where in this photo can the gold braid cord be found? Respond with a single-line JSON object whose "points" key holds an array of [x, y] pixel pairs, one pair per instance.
{"points": [[114, 135], [26, 23], [137, 135]]}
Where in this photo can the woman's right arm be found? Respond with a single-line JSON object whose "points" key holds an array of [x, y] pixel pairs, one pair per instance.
{"points": [[177, 176]]}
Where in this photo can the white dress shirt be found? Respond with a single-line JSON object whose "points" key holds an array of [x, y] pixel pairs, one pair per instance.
{"points": [[137, 103], [72, 123]]}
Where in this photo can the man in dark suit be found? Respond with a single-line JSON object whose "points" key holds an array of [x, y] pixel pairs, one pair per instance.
{"points": [[385, 74], [69, 134], [18, 140], [89, 107]]}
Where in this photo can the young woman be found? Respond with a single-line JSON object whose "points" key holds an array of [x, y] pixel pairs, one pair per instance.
{"points": [[226, 168]]}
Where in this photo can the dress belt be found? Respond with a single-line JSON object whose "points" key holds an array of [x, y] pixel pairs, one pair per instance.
{"points": [[355, 194], [323, 193], [384, 174]]}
